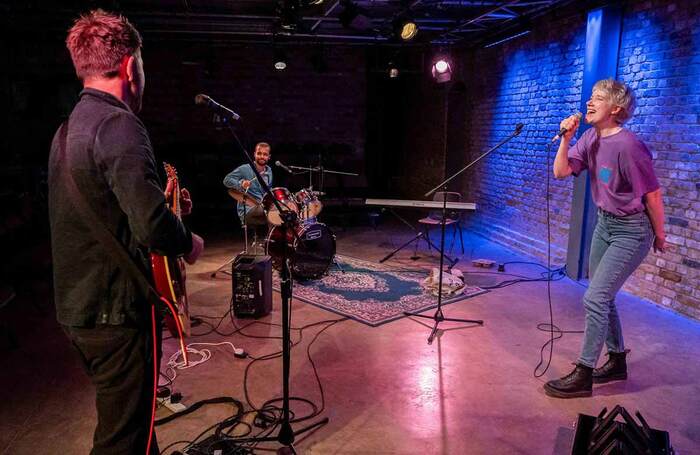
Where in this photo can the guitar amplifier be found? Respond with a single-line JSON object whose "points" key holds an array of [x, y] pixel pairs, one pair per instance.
{"points": [[251, 286]]}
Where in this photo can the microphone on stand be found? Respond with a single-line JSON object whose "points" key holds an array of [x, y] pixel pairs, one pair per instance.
{"points": [[221, 110], [279, 164], [564, 130]]}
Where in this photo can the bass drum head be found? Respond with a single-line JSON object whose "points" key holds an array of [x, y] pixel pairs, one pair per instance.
{"points": [[311, 254]]}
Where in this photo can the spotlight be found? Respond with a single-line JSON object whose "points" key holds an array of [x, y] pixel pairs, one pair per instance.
{"points": [[442, 71], [405, 27], [393, 71], [280, 59]]}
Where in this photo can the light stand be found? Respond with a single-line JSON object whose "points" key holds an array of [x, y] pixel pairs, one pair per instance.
{"points": [[289, 218], [438, 317]]}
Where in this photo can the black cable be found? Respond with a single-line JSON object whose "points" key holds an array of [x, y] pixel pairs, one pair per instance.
{"points": [[193, 407], [543, 326], [549, 343], [174, 443], [268, 415]]}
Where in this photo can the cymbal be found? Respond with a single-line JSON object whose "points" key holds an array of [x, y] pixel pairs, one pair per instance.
{"points": [[245, 198]]}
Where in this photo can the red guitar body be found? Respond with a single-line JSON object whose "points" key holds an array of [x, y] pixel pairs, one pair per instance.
{"points": [[169, 273]]}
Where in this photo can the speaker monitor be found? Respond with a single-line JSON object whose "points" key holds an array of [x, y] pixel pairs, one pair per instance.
{"points": [[252, 286], [605, 435]]}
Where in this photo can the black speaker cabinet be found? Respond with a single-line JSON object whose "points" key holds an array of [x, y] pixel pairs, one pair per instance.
{"points": [[252, 286], [604, 435]]}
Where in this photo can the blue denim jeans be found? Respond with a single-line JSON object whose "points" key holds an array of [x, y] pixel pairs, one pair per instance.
{"points": [[619, 245]]}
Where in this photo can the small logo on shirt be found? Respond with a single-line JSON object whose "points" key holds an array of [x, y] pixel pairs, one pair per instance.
{"points": [[604, 174]]}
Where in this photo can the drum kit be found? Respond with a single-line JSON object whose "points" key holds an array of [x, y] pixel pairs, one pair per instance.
{"points": [[310, 244]]}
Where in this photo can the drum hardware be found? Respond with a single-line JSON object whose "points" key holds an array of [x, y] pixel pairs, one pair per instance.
{"points": [[321, 171]]}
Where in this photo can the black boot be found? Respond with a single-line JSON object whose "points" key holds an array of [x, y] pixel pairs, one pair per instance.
{"points": [[578, 383], [615, 369]]}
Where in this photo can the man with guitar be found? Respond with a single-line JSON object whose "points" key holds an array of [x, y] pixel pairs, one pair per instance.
{"points": [[107, 210]]}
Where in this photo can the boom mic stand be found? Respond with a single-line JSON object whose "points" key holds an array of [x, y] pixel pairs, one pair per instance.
{"points": [[438, 317], [286, 434]]}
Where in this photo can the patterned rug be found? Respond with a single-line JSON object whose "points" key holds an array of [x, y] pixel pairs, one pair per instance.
{"points": [[371, 293]]}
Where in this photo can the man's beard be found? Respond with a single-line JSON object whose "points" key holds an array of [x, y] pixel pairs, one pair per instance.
{"points": [[261, 162]]}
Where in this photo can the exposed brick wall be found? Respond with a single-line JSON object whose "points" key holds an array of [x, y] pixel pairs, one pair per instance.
{"points": [[536, 79], [660, 59]]}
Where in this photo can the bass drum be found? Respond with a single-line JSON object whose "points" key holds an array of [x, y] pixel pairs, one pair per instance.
{"points": [[311, 250]]}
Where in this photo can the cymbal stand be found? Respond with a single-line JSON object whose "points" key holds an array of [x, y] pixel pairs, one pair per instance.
{"points": [[321, 170]]}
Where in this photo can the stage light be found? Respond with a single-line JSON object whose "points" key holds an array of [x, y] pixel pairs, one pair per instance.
{"points": [[280, 60], [393, 70], [405, 27], [442, 71]]}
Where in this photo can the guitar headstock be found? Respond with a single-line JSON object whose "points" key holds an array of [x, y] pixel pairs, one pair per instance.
{"points": [[170, 171]]}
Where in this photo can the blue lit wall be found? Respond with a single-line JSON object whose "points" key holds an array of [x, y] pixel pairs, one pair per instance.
{"points": [[536, 80]]}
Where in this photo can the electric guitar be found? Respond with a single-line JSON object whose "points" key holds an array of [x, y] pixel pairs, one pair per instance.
{"points": [[169, 273]]}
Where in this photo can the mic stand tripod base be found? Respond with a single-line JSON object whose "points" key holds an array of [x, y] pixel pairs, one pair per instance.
{"points": [[438, 318]]}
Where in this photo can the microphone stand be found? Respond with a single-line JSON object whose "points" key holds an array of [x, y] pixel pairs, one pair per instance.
{"points": [[438, 317], [286, 434]]}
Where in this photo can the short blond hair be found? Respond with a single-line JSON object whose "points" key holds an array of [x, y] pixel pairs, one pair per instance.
{"points": [[621, 95], [99, 41]]}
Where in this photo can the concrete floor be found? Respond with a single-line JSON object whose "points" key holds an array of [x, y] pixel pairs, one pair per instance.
{"points": [[386, 390]]}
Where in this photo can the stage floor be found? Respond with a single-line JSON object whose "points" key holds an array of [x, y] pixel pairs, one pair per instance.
{"points": [[386, 389]]}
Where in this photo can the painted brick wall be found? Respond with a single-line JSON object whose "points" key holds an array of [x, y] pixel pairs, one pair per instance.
{"points": [[536, 79]]}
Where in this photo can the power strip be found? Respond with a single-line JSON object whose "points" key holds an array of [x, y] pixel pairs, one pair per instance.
{"points": [[173, 407]]}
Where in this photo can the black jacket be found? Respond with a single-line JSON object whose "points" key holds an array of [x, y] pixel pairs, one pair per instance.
{"points": [[109, 154]]}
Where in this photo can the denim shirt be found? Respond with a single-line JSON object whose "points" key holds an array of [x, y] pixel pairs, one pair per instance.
{"points": [[109, 154], [245, 172]]}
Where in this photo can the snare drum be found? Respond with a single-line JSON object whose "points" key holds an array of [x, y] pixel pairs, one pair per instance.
{"points": [[285, 199], [311, 250], [309, 205]]}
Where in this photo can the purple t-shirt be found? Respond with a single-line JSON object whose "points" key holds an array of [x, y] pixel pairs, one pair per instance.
{"points": [[620, 167]]}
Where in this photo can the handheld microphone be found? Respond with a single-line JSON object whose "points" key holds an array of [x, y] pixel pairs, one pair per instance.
{"points": [[279, 164], [564, 130], [223, 111]]}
